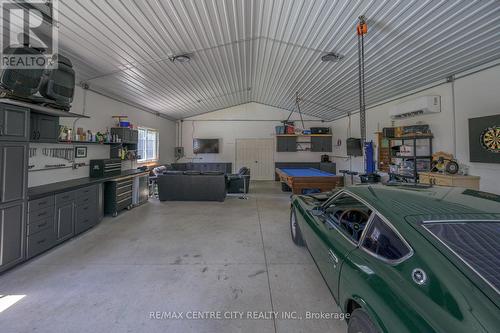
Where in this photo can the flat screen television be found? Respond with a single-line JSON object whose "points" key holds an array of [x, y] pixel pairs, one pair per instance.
{"points": [[206, 146], [354, 147]]}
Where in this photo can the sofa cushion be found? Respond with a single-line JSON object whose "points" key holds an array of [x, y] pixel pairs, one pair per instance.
{"points": [[192, 172]]}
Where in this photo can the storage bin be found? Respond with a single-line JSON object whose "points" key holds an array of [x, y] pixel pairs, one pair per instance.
{"points": [[290, 129], [280, 130]]}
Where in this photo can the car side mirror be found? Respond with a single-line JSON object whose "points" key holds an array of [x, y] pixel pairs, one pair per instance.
{"points": [[317, 211]]}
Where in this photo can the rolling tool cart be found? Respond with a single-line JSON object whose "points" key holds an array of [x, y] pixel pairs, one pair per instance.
{"points": [[118, 195]]}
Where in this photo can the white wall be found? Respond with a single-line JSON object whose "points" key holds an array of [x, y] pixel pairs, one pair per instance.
{"points": [[100, 109], [256, 121], [476, 95]]}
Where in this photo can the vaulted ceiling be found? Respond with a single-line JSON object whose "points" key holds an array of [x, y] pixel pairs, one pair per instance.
{"points": [[267, 50]]}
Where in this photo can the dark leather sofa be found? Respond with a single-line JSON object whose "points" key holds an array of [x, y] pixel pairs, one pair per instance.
{"points": [[226, 168], [191, 186]]}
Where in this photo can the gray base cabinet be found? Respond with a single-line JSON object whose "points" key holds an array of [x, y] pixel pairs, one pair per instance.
{"points": [[40, 242], [11, 234], [41, 234], [87, 209], [57, 218], [65, 215], [13, 171], [13, 175]]}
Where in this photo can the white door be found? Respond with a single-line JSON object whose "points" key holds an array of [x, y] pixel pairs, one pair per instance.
{"points": [[258, 156]]}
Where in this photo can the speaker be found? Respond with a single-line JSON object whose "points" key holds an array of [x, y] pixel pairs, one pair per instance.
{"points": [[179, 152]]}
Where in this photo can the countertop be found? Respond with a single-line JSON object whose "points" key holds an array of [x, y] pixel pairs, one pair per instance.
{"points": [[68, 185]]}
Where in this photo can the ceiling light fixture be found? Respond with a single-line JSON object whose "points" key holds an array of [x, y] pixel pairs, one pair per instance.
{"points": [[331, 57], [182, 58]]}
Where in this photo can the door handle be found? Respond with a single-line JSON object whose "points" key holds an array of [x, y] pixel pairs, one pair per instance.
{"points": [[332, 256]]}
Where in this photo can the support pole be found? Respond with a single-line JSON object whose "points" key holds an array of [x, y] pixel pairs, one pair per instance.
{"points": [[297, 101], [361, 30]]}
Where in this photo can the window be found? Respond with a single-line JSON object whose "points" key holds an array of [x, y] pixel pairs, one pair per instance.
{"points": [[148, 145], [384, 242], [348, 215]]}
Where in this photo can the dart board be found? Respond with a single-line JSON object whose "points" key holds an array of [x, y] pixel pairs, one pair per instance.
{"points": [[490, 139], [484, 139]]}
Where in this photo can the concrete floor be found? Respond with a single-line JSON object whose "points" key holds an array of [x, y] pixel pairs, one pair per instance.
{"points": [[177, 257]]}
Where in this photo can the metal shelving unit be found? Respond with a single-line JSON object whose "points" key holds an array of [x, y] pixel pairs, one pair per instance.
{"points": [[414, 174]]}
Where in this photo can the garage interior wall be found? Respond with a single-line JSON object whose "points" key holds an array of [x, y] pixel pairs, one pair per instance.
{"points": [[100, 109], [245, 121], [476, 95]]}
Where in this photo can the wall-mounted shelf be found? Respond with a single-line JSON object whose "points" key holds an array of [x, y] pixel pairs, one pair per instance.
{"points": [[411, 137], [42, 109], [88, 142], [303, 135]]}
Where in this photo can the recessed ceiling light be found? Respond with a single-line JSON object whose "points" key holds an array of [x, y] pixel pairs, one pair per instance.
{"points": [[182, 58], [331, 57]]}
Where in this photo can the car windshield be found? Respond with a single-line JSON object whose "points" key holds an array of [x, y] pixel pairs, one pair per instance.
{"points": [[477, 243]]}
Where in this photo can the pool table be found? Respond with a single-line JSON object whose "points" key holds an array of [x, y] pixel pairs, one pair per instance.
{"points": [[299, 179]]}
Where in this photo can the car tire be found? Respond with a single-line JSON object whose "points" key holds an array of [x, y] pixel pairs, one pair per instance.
{"points": [[360, 322], [295, 230]]}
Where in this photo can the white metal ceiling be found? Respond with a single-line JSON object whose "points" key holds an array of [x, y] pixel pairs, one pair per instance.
{"points": [[267, 50]]}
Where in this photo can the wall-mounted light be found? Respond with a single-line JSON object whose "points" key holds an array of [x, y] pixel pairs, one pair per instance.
{"points": [[331, 57]]}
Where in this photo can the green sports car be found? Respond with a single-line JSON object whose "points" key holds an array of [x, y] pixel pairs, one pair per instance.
{"points": [[406, 259]]}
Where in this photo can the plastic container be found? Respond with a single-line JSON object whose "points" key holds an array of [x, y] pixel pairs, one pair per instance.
{"points": [[280, 130]]}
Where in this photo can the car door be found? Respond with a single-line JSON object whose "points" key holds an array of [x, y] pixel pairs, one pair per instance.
{"points": [[332, 242]]}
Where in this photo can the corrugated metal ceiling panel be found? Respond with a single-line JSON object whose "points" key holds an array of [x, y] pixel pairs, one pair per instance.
{"points": [[267, 50]]}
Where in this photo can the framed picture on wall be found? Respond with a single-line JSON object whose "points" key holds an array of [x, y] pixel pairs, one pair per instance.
{"points": [[80, 152], [484, 139]]}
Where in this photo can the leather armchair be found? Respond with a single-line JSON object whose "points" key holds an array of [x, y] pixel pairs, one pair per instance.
{"points": [[239, 182]]}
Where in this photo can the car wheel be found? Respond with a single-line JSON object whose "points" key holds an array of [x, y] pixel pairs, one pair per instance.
{"points": [[360, 322], [295, 230]]}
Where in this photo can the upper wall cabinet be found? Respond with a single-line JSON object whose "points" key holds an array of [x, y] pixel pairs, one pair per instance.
{"points": [[321, 143], [14, 123], [126, 135], [44, 128], [286, 144]]}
